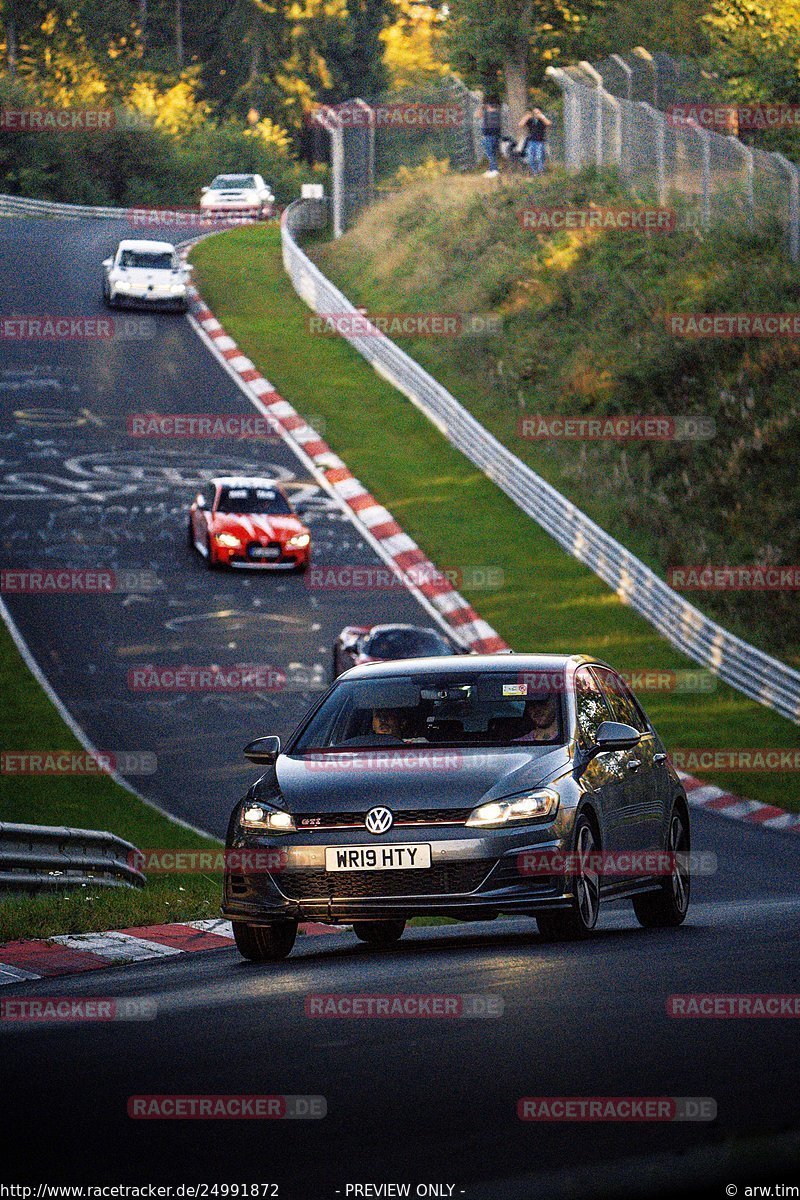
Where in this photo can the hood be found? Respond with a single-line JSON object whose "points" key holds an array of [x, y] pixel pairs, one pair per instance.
{"points": [[418, 777], [258, 528]]}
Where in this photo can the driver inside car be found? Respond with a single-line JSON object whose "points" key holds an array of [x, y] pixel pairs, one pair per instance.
{"points": [[391, 722], [541, 719]]}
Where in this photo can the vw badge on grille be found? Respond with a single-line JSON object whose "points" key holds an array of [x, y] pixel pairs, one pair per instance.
{"points": [[379, 820]]}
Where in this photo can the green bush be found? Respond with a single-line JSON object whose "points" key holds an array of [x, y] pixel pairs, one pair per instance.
{"points": [[140, 165]]}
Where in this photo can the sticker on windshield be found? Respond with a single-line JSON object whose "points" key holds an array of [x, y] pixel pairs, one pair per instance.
{"points": [[515, 689]]}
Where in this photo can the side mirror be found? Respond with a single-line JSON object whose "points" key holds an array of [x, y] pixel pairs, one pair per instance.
{"points": [[614, 735], [201, 500], [203, 191], [108, 262], [263, 751]]}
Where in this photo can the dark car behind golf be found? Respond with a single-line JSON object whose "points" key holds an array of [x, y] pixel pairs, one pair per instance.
{"points": [[468, 787]]}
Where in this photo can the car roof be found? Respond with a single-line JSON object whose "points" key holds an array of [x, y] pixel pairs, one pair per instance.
{"points": [[245, 481], [468, 664], [237, 175], [137, 244]]}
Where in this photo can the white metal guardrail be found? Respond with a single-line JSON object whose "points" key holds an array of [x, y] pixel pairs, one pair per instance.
{"points": [[743, 666], [48, 857], [20, 206]]}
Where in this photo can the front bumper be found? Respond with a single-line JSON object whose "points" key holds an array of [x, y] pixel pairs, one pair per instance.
{"points": [[290, 559], [146, 299], [477, 874]]}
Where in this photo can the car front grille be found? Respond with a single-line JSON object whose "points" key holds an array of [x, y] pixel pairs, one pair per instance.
{"points": [[409, 816], [439, 880]]}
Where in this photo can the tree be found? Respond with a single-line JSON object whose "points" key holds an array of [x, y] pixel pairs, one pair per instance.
{"points": [[412, 51], [503, 42], [756, 48]]}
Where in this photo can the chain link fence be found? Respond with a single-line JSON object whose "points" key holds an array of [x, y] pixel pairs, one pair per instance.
{"points": [[621, 113], [372, 139]]}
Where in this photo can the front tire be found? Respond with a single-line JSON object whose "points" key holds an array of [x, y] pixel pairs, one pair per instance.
{"points": [[577, 921], [265, 943], [667, 908], [379, 934]]}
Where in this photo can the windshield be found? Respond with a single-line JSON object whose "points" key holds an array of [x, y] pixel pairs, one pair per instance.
{"points": [[406, 643], [233, 181], [255, 500], [489, 708], [147, 260]]}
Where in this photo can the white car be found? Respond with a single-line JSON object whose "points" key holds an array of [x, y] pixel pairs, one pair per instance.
{"points": [[238, 195], [146, 273]]}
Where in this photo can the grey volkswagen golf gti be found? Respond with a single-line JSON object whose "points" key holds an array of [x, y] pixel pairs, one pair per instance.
{"points": [[467, 787]]}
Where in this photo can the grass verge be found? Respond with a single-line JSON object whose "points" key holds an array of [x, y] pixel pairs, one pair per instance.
{"points": [[28, 721], [586, 333], [548, 602]]}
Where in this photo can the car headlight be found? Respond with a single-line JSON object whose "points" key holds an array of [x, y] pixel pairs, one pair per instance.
{"points": [[299, 541], [121, 285], [177, 289], [535, 806], [262, 816], [228, 539]]}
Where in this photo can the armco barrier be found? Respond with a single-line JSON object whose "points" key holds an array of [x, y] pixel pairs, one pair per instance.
{"points": [[744, 667], [48, 857], [19, 206]]}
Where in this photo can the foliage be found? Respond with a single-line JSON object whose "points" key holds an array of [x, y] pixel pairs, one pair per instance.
{"points": [[412, 50], [755, 48]]}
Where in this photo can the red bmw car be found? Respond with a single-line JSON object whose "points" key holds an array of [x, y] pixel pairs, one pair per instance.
{"points": [[248, 523]]}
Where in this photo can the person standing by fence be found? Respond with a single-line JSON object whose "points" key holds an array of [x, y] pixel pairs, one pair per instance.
{"points": [[491, 127], [536, 125]]}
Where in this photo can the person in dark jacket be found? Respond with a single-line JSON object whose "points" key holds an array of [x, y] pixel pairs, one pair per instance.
{"points": [[536, 125], [492, 128]]}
